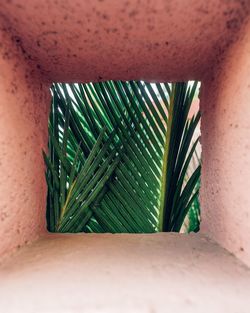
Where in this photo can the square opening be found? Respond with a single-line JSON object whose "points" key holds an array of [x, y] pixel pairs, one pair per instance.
{"points": [[124, 157]]}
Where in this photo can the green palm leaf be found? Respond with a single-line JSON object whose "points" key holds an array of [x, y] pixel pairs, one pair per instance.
{"points": [[118, 157]]}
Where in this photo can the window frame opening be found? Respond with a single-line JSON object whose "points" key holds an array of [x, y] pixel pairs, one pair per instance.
{"points": [[124, 157]]}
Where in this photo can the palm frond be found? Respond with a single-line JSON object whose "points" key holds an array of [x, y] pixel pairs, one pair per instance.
{"points": [[118, 157], [175, 195]]}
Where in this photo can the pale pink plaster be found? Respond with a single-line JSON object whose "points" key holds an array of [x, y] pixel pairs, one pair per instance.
{"points": [[98, 40], [24, 103], [226, 150], [126, 39], [124, 273]]}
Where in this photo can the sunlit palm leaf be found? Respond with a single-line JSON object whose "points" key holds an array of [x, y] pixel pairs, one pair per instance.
{"points": [[175, 195], [118, 155]]}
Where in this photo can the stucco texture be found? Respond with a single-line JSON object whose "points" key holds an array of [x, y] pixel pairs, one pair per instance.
{"points": [[142, 273], [24, 104], [128, 39], [226, 151], [46, 41]]}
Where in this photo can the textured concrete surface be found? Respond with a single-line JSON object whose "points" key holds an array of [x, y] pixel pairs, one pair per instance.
{"points": [[50, 40], [24, 103], [226, 151], [124, 273], [126, 39]]}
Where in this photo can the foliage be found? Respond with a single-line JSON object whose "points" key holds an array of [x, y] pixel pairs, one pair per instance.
{"points": [[118, 157], [194, 215]]}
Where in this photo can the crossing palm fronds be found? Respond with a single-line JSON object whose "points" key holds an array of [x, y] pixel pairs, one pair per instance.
{"points": [[118, 157]]}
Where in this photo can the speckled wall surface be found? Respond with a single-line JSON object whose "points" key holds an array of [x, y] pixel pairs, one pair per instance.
{"points": [[226, 151], [45, 41], [72, 40], [23, 132]]}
